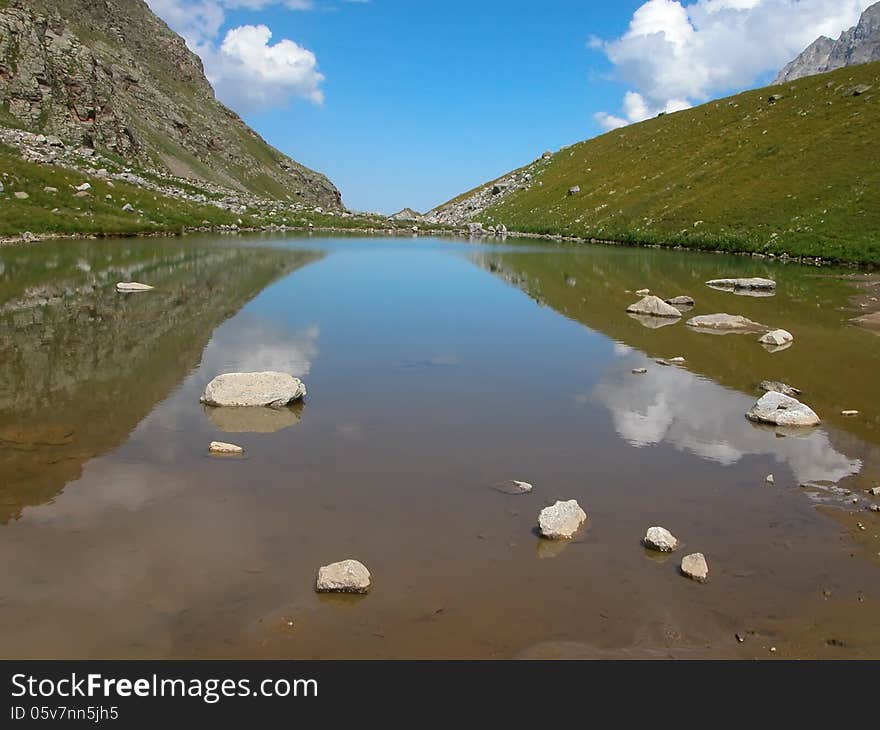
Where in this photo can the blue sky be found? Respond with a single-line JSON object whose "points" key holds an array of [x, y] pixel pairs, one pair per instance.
{"points": [[410, 102]]}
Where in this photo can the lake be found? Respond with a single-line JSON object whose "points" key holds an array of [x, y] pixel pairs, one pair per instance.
{"points": [[435, 370]]}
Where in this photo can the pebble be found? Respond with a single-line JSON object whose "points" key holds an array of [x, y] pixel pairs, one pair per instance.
{"points": [[770, 479], [849, 413], [640, 371], [218, 447]]}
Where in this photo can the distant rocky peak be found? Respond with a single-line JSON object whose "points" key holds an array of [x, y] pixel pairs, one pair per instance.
{"points": [[860, 44]]}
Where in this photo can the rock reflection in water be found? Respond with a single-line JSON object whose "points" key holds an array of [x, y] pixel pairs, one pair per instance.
{"points": [[254, 420], [696, 415]]}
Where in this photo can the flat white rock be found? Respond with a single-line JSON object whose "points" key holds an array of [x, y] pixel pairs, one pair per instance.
{"points": [[661, 539], [132, 286], [751, 283], [777, 337], [347, 576], [643, 292], [782, 410], [254, 389], [562, 520], [218, 447], [725, 323], [695, 567], [513, 486], [653, 307]]}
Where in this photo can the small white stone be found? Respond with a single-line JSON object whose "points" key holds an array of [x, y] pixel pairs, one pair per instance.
{"points": [[218, 447], [659, 538], [347, 576], [132, 286], [639, 371], [695, 567], [562, 520], [849, 413], [643, 292], [770, 479]]}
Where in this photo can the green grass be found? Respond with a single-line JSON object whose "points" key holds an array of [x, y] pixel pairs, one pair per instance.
{"points": [[93, 214], [64, 214], [800, 176]]}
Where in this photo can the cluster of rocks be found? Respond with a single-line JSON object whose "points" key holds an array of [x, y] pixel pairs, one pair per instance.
{"points": [[693, 566], [778, 406], [52, 151], [463, 210]]}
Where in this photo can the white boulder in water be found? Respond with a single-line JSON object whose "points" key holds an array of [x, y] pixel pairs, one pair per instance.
{"points": [[751, 283], [777, 337], [782, 410], [219, 447], [724, 323], [132, 286], [653, 307], [562, 520], [660, 539], [347, 576], [695, 567], [254, 389]]}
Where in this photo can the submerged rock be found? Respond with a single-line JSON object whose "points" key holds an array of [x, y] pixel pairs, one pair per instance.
{"points": [[695, 567], [218, 447], [724, 323], [777, 337], [347, 576], [752, 283], [774, 386], [254, 389], [562, 520], [132, 286], [660, 539], [681, 301], [782, 410], [513, 486], [653, 307]]}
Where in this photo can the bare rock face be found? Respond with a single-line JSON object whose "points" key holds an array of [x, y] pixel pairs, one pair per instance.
{"points": [[110, 75], [348, 576], [755, 283], [660, 539], [860, 44], [695, 567], [653, 307], [562, 520], [240, 390], [725, 323], [781, 410], [777, 338]]}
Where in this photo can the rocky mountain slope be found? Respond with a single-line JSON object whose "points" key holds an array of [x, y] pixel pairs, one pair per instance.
{"points": [[860, 44], [110, 75], [791, 170]]}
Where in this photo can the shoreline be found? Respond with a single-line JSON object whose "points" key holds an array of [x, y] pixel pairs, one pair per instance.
{"points": [[28, 237]]}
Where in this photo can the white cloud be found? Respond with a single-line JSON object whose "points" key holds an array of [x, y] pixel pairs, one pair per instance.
{"points": [[248, 72], [675, 54]]}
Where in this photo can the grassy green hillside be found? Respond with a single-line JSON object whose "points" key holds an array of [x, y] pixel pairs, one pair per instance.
{"points": [[52, 207], [799, 175]]}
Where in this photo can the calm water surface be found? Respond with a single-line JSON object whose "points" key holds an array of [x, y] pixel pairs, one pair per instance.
{"points": [[435, 369]]}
